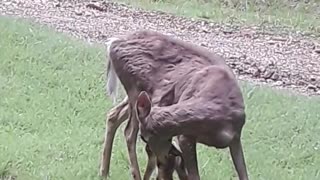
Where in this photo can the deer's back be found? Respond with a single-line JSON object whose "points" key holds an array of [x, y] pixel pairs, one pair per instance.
{"points": [[153, 61]]}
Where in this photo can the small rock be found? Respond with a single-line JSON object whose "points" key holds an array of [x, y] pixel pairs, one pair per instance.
{"points": [[271, 42], [57, 4], [271, 63], [203, 23], [317, 51], [268, 74], [78, 12], [256, 73], [286, 82], [302, 83], [87, 13], [227, 31], [204, 44], [278, 83], [68, 5], [95, 6], [269, 81], [279, 39], [262, 69], [242, 57], [233, 64], [312, 87], [275, 76], [234, 57], [8, 3], [205, 30]]}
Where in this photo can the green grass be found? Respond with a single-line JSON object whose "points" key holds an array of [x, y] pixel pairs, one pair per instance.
{"points": [[287, 14], [53, 105]]}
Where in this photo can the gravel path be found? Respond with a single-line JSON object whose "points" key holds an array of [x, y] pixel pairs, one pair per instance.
{"points": [[286, 61]]}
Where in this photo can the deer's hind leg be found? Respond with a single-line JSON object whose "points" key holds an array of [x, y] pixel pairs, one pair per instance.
{"points": [[115, 118]]}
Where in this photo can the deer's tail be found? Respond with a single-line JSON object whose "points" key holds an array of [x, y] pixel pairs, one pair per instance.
{"points": [[112, 77]]}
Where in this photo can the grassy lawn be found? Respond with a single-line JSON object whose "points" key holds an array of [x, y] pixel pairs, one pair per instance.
{"points": [[293, 15], [53, 105]]}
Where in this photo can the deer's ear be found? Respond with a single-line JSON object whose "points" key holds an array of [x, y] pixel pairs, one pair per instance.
{"points": [[168, 98], [143, 105]]}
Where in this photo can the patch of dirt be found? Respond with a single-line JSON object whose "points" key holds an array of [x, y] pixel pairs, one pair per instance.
{"points": [[290, 61]]}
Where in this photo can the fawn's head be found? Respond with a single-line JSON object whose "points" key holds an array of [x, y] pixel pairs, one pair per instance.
{"points": [[161, 145]]}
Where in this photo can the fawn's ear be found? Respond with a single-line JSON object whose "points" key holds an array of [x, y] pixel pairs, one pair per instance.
{"points": [[168, 98], [143, 106]]}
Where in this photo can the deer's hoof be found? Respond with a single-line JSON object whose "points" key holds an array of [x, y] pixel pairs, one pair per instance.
{"points": [[103, 173]]}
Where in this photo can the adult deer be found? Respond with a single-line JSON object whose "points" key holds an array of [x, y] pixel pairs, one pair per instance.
{"points": [[205, 106], [148, 64]]}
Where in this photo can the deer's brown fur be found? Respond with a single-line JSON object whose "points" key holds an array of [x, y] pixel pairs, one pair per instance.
{"points": [[174, 88]]}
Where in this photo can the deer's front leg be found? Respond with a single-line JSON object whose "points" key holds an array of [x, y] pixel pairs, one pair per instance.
{"points": [[189, 154], [238, 158], [131, 133]]}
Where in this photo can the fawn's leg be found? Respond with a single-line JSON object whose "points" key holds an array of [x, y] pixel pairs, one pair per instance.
{"points": [[179, 165], [114, 119], [165, 171], [180, 168], [151, 163], [166, 167], [238, 158], [189, 154], [131, 133]]}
